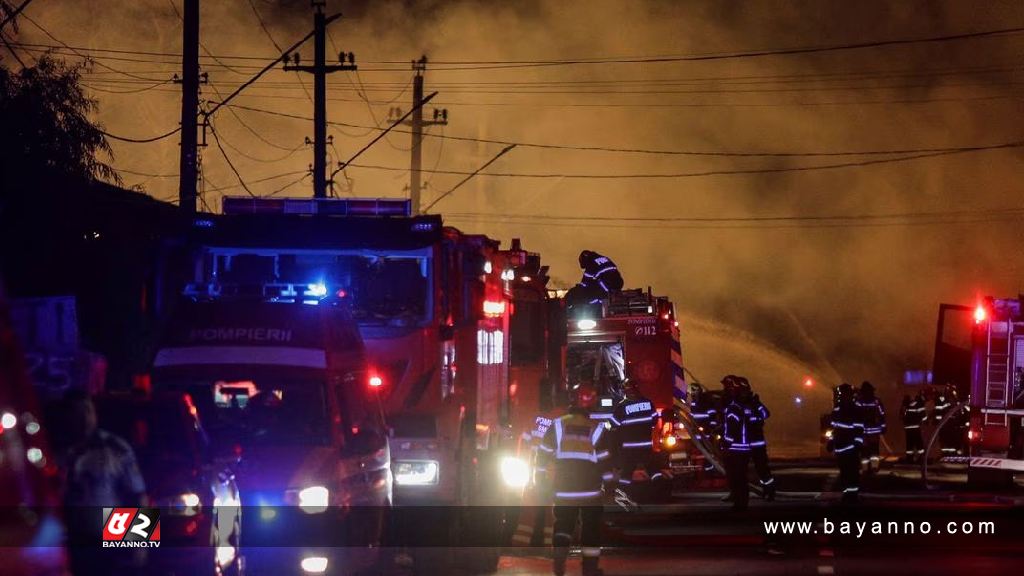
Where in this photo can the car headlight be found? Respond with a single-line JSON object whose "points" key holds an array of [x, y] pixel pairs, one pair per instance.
{"points": [[416, 472], [514, 472], [186, 504], [314, 499]]}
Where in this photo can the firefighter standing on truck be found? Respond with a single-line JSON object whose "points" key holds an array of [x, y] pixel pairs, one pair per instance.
{"points": [[632, 423], [601, 277], [574, 455], [912, 413], [847, 441], [873, 413]]}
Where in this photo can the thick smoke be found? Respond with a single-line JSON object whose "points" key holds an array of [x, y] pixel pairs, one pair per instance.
{"points": [[851, 302]]}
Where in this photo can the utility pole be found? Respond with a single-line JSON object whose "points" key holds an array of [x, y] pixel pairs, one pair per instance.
{"points": [[187, 170], [320, 69], [417, 124]]}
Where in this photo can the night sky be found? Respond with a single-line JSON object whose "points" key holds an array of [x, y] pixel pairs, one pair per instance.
{"points": [[840, 268]]}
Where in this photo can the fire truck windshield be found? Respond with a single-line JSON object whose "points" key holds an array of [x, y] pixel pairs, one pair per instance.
{"points": [[382, 288], [261, 411]]}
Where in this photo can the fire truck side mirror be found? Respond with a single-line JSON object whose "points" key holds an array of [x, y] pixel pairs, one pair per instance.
{"points": [[446, 332]]}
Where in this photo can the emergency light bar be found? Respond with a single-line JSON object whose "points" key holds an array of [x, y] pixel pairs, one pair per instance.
{"points": [[323, 206]]}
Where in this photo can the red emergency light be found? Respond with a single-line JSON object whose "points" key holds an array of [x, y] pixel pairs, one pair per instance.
{"points": [[376, 381], [980, 314], [494, 308]]}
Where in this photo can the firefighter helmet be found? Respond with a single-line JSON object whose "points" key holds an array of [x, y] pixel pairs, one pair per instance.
{"points": [[844, 391], [586, 396]]}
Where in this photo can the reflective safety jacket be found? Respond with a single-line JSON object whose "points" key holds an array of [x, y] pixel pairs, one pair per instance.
{"points": [[743, 426], [633, 422], [705, 415], [941, 408], [847, 427], [600, 272], [574, 455], [913, 414], [873, 415]]}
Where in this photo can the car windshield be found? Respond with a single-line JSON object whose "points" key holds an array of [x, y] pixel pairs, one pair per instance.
{"points": [[381, 289], [268, 411]]}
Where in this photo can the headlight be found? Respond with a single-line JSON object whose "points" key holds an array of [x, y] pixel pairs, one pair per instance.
{"points": [[828, 434], [314, 499], [416, 472], [314, 564], [186, 504], [670, 441], [586, 324], [514, 472]]}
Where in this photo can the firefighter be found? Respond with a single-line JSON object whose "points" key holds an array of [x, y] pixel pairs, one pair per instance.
{"points": [[574, 454], [912, 413], [758, 444], [703, 411], [873, 413], [742, 437], [705, 416], [945, 400], [847, 441], [632, 423], [728, 392], [601, 277], [600, 271]]}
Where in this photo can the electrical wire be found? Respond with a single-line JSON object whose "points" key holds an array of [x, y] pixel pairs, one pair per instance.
{"points": [[648, 151], [140, 140], [228, 160], [712, 172]]}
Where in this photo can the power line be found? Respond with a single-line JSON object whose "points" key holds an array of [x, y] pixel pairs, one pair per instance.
{"points": [[504, 151], [709, 172], [751, 219], [227, 159], [499, 64], [649, 151], [80, 55], [459, 65], [141, 140]]}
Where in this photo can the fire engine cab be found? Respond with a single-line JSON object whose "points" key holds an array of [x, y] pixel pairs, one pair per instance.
{"points": [[433, 307], [996, 433], [634, 334]]}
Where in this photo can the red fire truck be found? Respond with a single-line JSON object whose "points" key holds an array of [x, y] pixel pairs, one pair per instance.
{"points": [[996, 433], [635, 334], [433, 307]]}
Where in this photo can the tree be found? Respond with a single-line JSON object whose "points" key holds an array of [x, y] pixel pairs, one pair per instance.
{"points": [[47, 132]]}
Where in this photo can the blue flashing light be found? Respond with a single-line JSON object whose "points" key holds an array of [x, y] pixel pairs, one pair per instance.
{"points": [[423, 227], [202, 223], [798, 400], [318, 290]]}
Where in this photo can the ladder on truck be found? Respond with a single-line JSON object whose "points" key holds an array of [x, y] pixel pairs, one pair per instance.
{"points": [[998, 372]]}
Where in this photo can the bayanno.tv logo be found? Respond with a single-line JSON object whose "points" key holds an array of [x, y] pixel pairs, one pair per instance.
{"points": [[131, 528]]}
